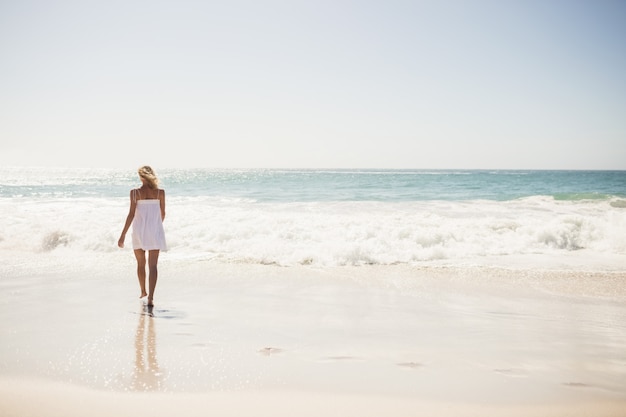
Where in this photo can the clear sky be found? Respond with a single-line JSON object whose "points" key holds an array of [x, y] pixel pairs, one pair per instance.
{"points": [[314, 84]]}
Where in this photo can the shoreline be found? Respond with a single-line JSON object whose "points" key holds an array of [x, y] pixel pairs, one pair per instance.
{"points": [[446, 340]]}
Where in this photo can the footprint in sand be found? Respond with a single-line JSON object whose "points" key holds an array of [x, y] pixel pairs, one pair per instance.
{"points": [[203, 345], [514, 373], [269, 351], [410, 365], [576, 384]]}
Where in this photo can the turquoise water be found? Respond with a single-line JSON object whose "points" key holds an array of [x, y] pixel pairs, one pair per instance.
{"points": [[398, 185], [324, 185]]}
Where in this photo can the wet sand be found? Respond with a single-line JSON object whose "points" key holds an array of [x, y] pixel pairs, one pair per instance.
{"points": [[268, 340]]}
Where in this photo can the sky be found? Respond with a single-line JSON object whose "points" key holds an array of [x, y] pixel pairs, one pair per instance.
{"points": [[536, 84]]}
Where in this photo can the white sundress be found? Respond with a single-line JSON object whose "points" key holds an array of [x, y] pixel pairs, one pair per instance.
{"points": [[148, 233]]}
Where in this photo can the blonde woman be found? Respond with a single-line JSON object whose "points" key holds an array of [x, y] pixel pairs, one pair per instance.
{"points": [[146, 214]]}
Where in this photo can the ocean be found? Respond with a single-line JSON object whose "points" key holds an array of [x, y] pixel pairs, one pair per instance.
{"points": [[324, 218]]}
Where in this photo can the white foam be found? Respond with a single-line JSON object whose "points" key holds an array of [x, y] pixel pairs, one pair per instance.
{"points": [[330, 233]]}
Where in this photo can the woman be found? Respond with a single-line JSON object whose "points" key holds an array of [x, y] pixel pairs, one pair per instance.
{"points": [[146, 214]]}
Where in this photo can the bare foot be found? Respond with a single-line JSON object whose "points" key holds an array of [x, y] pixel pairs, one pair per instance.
{"points": [[150, 303], [143, 294]]}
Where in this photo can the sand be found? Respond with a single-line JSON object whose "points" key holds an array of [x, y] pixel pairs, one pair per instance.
{"points": [[228, 339]]}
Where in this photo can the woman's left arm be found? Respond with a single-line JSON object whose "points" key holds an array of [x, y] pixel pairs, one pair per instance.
{"points": [[162, 201]]}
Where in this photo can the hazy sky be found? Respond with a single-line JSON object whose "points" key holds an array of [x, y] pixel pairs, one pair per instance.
{"points": [[314, 84]]}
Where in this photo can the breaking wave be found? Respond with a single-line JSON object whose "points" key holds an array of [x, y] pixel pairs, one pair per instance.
{"points": [[327, 233]]}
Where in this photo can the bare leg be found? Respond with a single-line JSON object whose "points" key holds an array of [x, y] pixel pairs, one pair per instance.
{"points": [[153, 259], [140, 254]]}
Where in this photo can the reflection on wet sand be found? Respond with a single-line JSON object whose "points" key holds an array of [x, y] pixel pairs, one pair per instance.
{"points": [[146, 376]]}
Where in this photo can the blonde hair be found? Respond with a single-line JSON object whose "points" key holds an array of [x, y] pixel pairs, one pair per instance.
{"points": [[148, 174]]}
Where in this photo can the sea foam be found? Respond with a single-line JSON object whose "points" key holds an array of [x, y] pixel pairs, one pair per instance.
{"points": [[327, 233]]}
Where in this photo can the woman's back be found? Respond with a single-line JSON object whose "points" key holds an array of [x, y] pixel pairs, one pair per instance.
{"points": [[148, 233]]}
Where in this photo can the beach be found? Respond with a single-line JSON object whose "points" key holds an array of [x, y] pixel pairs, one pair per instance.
{"points": [[236, 339]]}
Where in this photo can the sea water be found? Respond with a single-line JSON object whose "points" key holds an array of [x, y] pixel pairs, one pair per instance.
{"points": [[329, 217]]}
